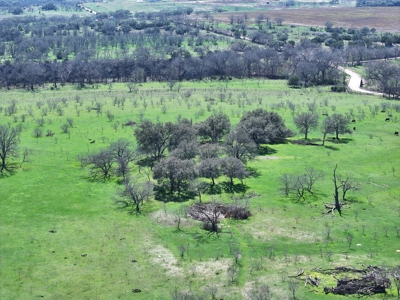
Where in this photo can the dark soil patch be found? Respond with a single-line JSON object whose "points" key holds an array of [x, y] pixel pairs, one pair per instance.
{"points": [[204, 212]]}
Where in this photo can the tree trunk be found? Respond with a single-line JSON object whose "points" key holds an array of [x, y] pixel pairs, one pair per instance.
{"points": [[336, 192], [323, 139]]}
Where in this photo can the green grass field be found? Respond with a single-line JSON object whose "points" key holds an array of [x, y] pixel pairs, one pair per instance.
{"points": [[62, 237]]}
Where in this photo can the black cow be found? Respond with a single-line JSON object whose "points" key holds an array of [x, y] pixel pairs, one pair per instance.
{"points": [[354, 128], [353, 121], [396, 133], [387, 120]]}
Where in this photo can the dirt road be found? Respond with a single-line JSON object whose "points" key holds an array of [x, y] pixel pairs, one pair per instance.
{"points": [[354, 83]]}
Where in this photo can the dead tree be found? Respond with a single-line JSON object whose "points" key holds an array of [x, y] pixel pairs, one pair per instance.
{"points": [[336, 192]]}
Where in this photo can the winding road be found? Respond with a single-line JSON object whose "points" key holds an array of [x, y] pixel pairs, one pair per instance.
{"points": [[355, 83]]}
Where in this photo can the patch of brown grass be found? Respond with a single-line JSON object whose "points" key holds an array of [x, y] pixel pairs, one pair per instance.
{"points": [[381, 18]]}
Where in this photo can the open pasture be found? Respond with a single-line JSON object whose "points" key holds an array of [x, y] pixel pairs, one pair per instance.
{"points": [[380, 18], [62, 237]]}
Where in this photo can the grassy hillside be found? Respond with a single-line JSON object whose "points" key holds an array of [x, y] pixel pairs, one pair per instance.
{"points": [[62, 237]]}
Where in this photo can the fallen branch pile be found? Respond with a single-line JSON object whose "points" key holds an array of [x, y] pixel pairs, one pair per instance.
{"points": [[331, 208], [373, 281]]}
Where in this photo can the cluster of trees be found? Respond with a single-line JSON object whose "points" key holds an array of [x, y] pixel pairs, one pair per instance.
{"points": [[141, 51], [18, 7], [364, 3], [113, 160], [301, 185], [209, 149], [386, 76], [334, 124]]}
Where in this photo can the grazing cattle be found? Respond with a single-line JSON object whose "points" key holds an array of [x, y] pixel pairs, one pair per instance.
{"points": [[92, 142], [382, 111], [353, 121], [387, 120], [136, 290], [325, 115], [354, 128], [396, 133]]}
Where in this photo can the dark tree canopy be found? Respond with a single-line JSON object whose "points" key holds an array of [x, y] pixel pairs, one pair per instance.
{"points": [[210, 168], [49, 6], [338, 124], [264, 127], [233, 168], [186, 149], [182, 131], [209, 151], [153, 138], [174, 173], [214, 127], [305, 122], [238, 144]]}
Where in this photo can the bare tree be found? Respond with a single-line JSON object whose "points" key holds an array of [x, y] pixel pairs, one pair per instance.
{"points": [[25, 156], [134, 193], [260, 291], [210, 214], [179, 214], [313, 175], [259, 21], [348, 184], [101, 163], [9, 140], [212, 290], [279, 21], [325, 129], [198, 186], [124, 154], [37, 132], [293, 285]]}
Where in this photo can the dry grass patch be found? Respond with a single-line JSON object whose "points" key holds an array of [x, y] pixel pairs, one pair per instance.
{"points": [[381, 18], [164, 258], [273, 227]]}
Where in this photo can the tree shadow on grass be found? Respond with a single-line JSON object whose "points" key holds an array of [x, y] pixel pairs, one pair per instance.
{"points": [[165, 196], [213, 190], [265, 150], [339, 141], [227, 187], [10, 171], [252, 172], [204, 237], [332, 148]]}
